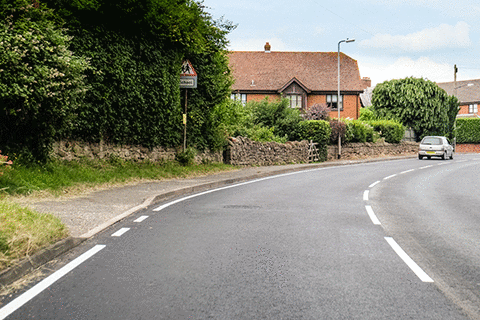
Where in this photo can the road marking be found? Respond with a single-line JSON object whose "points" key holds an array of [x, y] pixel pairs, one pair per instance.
{"points": [[374, 184], [365, 195], [372, 216], [120, 232], [406, 171], [402, 254], [393, 175], [140, 219], [45, 283], [426, 167]]}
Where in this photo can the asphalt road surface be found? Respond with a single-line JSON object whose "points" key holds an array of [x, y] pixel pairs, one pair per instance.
{"points": [[389, 240]]}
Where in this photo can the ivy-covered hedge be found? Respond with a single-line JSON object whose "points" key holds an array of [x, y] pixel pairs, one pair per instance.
{"points": [[468, 130], [392, 131], [318, 131]]}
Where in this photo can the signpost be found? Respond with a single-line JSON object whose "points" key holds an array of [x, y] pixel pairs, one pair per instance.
{"points": [[188, 79]]}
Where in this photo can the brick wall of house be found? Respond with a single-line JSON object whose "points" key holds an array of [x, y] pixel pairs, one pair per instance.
{"points": [[351, 105], [467, 148], [463, 109]]}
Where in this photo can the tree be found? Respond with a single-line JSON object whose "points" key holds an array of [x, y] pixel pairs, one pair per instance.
{"points": [[41, 80], [417, 103]]}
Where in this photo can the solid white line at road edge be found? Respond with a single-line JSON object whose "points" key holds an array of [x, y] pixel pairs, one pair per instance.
{"points": [[365, 195], [402, 254], [372, 215], [45, 283]]}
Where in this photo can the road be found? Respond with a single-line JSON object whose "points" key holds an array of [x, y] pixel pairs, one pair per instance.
{"points": [[388, 240]]}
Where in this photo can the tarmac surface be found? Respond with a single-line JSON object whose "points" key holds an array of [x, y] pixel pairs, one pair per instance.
{"points": [[87, 215]]}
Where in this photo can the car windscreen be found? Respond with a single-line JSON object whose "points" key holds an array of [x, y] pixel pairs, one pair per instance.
{"points": [[434, 141]]}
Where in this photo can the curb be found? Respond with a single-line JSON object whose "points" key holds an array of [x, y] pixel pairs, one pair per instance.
{"points": [[12, 274]]}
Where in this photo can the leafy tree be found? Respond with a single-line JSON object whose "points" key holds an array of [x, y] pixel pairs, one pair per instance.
{"points": [[41, 80], [416, 103]]}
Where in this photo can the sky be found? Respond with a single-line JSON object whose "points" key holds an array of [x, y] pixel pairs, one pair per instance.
{"points": [[394, 39]]}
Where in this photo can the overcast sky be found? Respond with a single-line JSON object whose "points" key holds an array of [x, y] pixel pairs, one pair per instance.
{"points": [[394, 39]]}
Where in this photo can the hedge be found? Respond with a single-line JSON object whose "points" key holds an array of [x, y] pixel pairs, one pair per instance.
{"points": [[319, 132], [392, 131], [359, 131], [468, 130]]}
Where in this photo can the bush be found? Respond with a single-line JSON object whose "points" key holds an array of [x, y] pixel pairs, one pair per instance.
{"points": [[186, 157], [468, 130], [367, 114], [392, 131], [319, 111], [359, 131], [318, 131], [337, 128]]}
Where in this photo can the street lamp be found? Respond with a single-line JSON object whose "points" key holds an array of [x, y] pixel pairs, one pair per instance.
{"points": [[338, 95]]}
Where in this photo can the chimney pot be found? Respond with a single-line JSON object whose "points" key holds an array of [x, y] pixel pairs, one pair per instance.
{"points": [[267, 47]]}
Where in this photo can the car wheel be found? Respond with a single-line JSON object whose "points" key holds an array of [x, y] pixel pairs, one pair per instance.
{"points": [[451, 155], [420, 157]]}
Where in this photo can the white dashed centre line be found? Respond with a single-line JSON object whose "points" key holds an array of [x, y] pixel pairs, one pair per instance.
{"points": [[140, 219], [393, 175], [402, 254], [120, 232], [426, 167], [372, 216], [406, 171]]}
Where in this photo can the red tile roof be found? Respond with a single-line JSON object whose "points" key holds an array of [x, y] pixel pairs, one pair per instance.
{"points": [[317, 71]]}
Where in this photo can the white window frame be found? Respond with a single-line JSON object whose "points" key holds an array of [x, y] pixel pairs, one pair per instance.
{"points": [[473, 108], [332, 101], [242, 97], [295, 100]]}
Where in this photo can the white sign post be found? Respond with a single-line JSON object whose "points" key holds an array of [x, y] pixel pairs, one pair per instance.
{"points": [[188, 79]]}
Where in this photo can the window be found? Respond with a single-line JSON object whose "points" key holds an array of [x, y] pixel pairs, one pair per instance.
{"points": [[242, 97], [332, 101], [473, 108], [295, 100]]}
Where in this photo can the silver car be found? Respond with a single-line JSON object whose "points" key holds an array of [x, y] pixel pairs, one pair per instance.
{"points": [[435, 146]]}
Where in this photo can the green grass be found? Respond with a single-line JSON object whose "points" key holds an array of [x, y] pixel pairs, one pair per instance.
{"points": [[56, 176], [23, 232]]}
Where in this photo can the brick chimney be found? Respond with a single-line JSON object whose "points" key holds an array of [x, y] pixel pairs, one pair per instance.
{"points": [[267, 47], [367, 82]]}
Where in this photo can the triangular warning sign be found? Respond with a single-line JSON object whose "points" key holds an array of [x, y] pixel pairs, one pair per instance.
{"points": [[187, 69]]}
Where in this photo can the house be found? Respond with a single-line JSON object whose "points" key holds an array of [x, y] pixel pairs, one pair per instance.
{"points": [[468, 94], [305, 78]]}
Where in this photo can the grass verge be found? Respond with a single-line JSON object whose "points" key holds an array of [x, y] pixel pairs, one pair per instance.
{"points": [[23, 232]]}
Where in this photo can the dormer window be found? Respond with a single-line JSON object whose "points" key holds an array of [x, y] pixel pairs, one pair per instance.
{"points": [[295, 100]]}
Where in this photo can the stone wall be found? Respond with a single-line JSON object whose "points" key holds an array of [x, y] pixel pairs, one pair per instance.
{"points": [[368, 150], [245, 152], [74, 150], [240, 151]]}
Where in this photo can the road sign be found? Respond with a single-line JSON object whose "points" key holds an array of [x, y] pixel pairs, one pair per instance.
{"points": [[188, 77]]}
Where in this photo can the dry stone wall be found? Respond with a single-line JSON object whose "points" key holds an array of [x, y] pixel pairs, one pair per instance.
{"points": [[353, 151], [245, 152], [240, 151], [74, 150]]}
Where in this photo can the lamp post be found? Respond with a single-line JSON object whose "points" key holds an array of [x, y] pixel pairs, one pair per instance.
{"points": [[338, 95]]}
